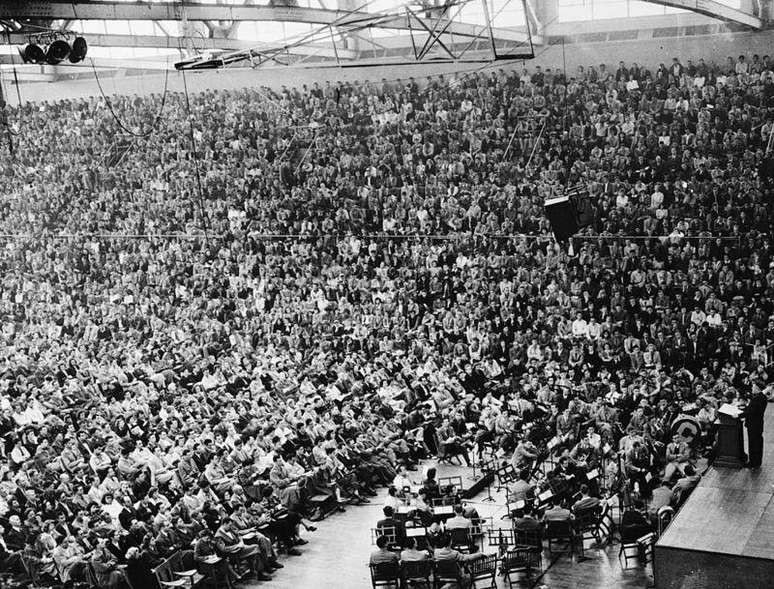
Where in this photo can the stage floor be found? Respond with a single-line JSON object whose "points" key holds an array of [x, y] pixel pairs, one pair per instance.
{"points": [[732, 510]]}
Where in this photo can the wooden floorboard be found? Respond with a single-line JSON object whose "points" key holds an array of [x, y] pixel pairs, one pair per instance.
{"points": [[761, 541], [731, 511]]}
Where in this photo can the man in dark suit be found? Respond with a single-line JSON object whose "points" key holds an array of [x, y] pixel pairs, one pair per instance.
{"points": [[389, 521], [527, 522], [753, 421], [586, 502]]}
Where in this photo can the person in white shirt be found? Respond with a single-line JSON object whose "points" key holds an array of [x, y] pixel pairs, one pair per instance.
{"points": [[579, 326], [742, 67], [19, 454], [593, 329], [392, 499], [657, 198], [714, 319], [402, 480], [698, 317], [459, 521]]}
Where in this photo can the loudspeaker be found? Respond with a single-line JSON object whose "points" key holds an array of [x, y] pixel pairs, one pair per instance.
{"points": [[561, 215]]}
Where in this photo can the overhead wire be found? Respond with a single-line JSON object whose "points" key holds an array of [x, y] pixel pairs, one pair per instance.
{"points": [[16, 83], [120, 123], [192, 137]]}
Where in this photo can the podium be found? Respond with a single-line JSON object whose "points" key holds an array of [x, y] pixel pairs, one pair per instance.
{"points": [[729, 446]]}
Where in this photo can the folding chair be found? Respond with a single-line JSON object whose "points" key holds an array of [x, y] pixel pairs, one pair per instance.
{"points": [[587, 525], [484, 569], [560, 532], [447, 571], [516, 560], [478, 528], [606, 523], [170, 573], [629, 551], [215, 573], [460, 539], [385, 574], [389, 532], [501, 538], [417, 574], [645, 544], [531, 541]]}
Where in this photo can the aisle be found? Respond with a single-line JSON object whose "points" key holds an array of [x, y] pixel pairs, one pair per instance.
{"points": [[337, 553], [337, 556]]}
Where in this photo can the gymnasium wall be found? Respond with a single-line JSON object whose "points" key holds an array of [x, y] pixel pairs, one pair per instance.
{"points": [[649, 52]]}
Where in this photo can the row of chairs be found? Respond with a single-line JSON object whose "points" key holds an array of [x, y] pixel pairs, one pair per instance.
{"points": [[462, 539], [639, 547], [171, 573], [435, 573], [595, 524]]}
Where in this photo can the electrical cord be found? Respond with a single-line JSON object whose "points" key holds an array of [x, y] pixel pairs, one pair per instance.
{"points": [[123, 127]]}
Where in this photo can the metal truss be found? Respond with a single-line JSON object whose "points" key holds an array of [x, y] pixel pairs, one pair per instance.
{"points": [[718, 10], [434, 33]]}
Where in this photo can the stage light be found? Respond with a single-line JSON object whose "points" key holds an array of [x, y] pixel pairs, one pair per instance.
{"points": [[57, 52], [78, 52], [32, 53]]}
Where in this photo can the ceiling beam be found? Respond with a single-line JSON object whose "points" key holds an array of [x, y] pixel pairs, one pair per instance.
{"points": [[200, 43], [716, 10], [204, 12], [10, 62]]}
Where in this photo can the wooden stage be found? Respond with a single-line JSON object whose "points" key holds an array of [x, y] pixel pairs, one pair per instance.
{"points": [[723, 537]]}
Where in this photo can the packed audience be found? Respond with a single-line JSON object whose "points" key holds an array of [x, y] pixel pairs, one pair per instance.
{"points": [[199, 342]]}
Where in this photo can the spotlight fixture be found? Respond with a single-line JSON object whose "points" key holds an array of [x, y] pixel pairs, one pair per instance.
{"points": [[57, 52], [57, 48], [78, 52], [32, 53]]}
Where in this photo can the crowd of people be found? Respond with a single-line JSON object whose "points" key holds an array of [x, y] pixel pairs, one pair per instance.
{"points": [[332, 282]]}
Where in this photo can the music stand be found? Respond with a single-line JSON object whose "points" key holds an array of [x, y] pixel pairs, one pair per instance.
{"points": [[488, 467]]}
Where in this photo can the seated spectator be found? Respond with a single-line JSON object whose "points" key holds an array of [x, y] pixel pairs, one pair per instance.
{"points": [[411, 552], [392, 499], [520, 489], [677, 457], [525, 520], [557, 512], [459, 521], [634, 524], [383, 554], [231, 546], [586, 502], [662, 497], [685, 485], [444, 552], [389, 521]]}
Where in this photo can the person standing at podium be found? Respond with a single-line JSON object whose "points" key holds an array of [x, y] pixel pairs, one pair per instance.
{"points": [[753, 421]]}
